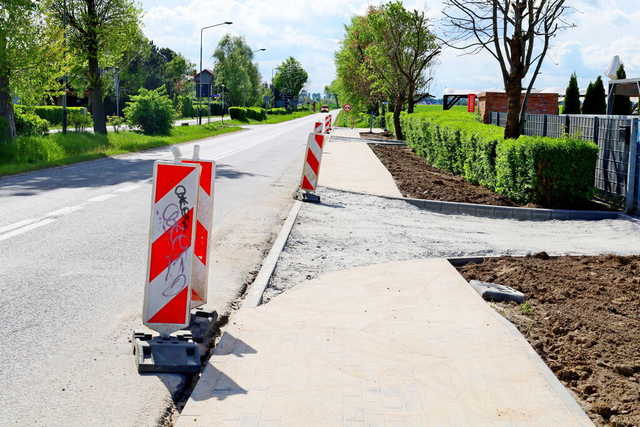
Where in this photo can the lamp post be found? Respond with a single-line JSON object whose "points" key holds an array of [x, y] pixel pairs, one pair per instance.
{"points": [[199, 85]]}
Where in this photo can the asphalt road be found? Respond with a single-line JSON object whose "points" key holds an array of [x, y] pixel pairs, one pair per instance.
{"points": [[73, 245]]}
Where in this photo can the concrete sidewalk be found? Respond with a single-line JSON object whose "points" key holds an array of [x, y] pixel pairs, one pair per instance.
{"points": [[352, 166], [403, 343]]}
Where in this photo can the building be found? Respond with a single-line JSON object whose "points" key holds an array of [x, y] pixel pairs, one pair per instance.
{"points": [[204, 89], [537, 103]]}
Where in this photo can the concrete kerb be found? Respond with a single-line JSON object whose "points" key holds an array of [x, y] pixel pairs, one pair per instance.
{"points": [[367, 140], [502, 212], [254, 295]]}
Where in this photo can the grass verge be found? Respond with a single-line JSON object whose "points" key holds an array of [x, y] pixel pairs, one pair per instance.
{"points": [[32, 153]]}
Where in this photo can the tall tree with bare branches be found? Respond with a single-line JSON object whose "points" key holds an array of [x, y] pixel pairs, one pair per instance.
{"points": [[517, 33]]}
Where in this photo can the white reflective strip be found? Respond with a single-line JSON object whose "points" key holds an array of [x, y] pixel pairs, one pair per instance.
{"points": [[315, 148], [311, 176], [200, 278]]}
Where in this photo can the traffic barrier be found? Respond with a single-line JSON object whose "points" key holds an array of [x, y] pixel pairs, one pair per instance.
{"points": [[317, 127], [311, 168], [204, 227], [167, 295], [327, 124]]}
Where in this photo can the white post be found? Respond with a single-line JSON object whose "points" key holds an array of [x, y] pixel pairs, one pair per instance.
{"points": [[196, 152], [177, 155]]}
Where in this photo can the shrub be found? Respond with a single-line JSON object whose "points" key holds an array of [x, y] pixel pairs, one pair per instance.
{"points": [[238, 113], [186, 106], [152, 111], [548, 171], [80, 120], [29, 124], [256, 113], [279, 110], [51, 113], [116, 122]]}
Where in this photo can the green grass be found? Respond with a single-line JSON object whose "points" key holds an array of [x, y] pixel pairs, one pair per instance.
{"points": [[273, 118], [31, 153]]}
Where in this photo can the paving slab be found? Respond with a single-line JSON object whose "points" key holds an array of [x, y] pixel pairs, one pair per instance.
{"points": [[402, 343], [353, 166]]}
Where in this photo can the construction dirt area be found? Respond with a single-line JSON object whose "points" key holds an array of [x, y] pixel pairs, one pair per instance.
{"points": [[582, 315], [417, 179]]}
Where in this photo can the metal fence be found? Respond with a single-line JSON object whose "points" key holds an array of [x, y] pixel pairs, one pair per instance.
{"points": [[615, 178]]}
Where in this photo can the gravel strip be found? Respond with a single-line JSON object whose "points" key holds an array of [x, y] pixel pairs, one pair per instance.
{"points": [[349, 230]]}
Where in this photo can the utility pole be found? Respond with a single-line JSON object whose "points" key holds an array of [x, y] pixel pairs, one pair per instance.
{"points": [[64, 79]]}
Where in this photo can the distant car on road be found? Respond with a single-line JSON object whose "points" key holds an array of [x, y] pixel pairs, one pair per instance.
{"points": [[324, 109]]}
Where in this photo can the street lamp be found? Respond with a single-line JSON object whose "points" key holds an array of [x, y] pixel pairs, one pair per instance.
{"points": [[259, 50], [199, 86]]}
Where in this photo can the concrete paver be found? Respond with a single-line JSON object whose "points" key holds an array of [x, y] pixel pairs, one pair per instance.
{"points": [[403, 343], [353, 166]]}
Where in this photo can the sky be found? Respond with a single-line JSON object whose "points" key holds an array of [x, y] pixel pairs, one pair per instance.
{"points": [[311, 31]]}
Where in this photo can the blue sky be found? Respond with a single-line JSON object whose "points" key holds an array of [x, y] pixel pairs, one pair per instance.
{"points": [[311, 30]]}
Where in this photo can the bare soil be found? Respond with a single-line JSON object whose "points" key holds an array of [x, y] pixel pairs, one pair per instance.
{"points": [[417, 179], [377, 135], [583, 318]]}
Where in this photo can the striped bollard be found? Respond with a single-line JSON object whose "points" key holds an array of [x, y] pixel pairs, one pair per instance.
{"points": [[167, 293], [204, 227], [311, 169], [317, 127], [327, 124]]}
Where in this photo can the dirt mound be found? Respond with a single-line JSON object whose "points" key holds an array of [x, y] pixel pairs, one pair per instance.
{"points": [[583, 318]]}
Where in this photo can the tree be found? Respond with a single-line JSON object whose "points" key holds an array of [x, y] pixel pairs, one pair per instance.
{"points": [[99, 32], [412, 46], [235, 71], [572, 97], [621, 104], [595, 99], [290, 78], [516, 33], [30, 58]]}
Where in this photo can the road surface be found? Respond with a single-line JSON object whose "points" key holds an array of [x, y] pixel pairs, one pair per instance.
{"points": [[73, 246]]}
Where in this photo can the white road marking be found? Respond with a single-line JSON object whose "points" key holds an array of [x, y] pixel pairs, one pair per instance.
{"points": [[102, 198], [18, 224], [64, 211], [127, 188], [22, 230]]}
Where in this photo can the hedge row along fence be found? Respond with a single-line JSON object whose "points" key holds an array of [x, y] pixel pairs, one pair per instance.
{"points": [[548, 171], [51, 113]]}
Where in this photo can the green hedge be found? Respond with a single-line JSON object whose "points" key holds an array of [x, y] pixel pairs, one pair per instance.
{"points": [[548, 171], [248, 113], [51, 113], [279, 110]]}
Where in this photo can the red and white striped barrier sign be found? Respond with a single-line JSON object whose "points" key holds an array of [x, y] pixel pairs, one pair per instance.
{"points": [[311, 169], [167, 293], [327, 124], [204, 228], [317, 127]]}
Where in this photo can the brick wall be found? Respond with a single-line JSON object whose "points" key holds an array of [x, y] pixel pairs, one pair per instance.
{"points": [[539, 103]]}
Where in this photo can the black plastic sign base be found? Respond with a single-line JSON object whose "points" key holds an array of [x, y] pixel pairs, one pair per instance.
{"points": [[173, 354], [306, 196]]}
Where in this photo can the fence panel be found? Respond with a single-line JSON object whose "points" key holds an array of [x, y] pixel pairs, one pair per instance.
{"points": [[611, 133]]}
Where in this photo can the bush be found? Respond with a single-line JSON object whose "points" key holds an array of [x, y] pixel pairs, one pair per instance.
{"points": [[29, 124], [256, 113], [279, 110], [186, 106], [152, 111], [51, 113], [116, 122], [548, 171], [80, 120], [238, 113]]}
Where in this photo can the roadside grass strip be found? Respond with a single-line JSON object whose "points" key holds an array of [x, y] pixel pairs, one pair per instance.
{"points": [[37, 152]]}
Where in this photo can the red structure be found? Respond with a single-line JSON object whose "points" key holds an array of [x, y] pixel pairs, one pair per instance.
{"points": [[538, 103], [471, 103]]}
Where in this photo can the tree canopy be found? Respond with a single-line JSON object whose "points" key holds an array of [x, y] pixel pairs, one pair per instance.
{"points": [[290, 78], [235, 71]]}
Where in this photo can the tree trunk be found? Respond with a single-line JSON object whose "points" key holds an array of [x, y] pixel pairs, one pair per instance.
{"points": [[411, 101], [514, 93], [8, 128], [95, 82], [397, 108]]}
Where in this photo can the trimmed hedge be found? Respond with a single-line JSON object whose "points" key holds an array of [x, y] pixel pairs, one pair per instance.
{"points": [[51, 113], [245, 114], [29, 124], [547, 171], [279, 110]]}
